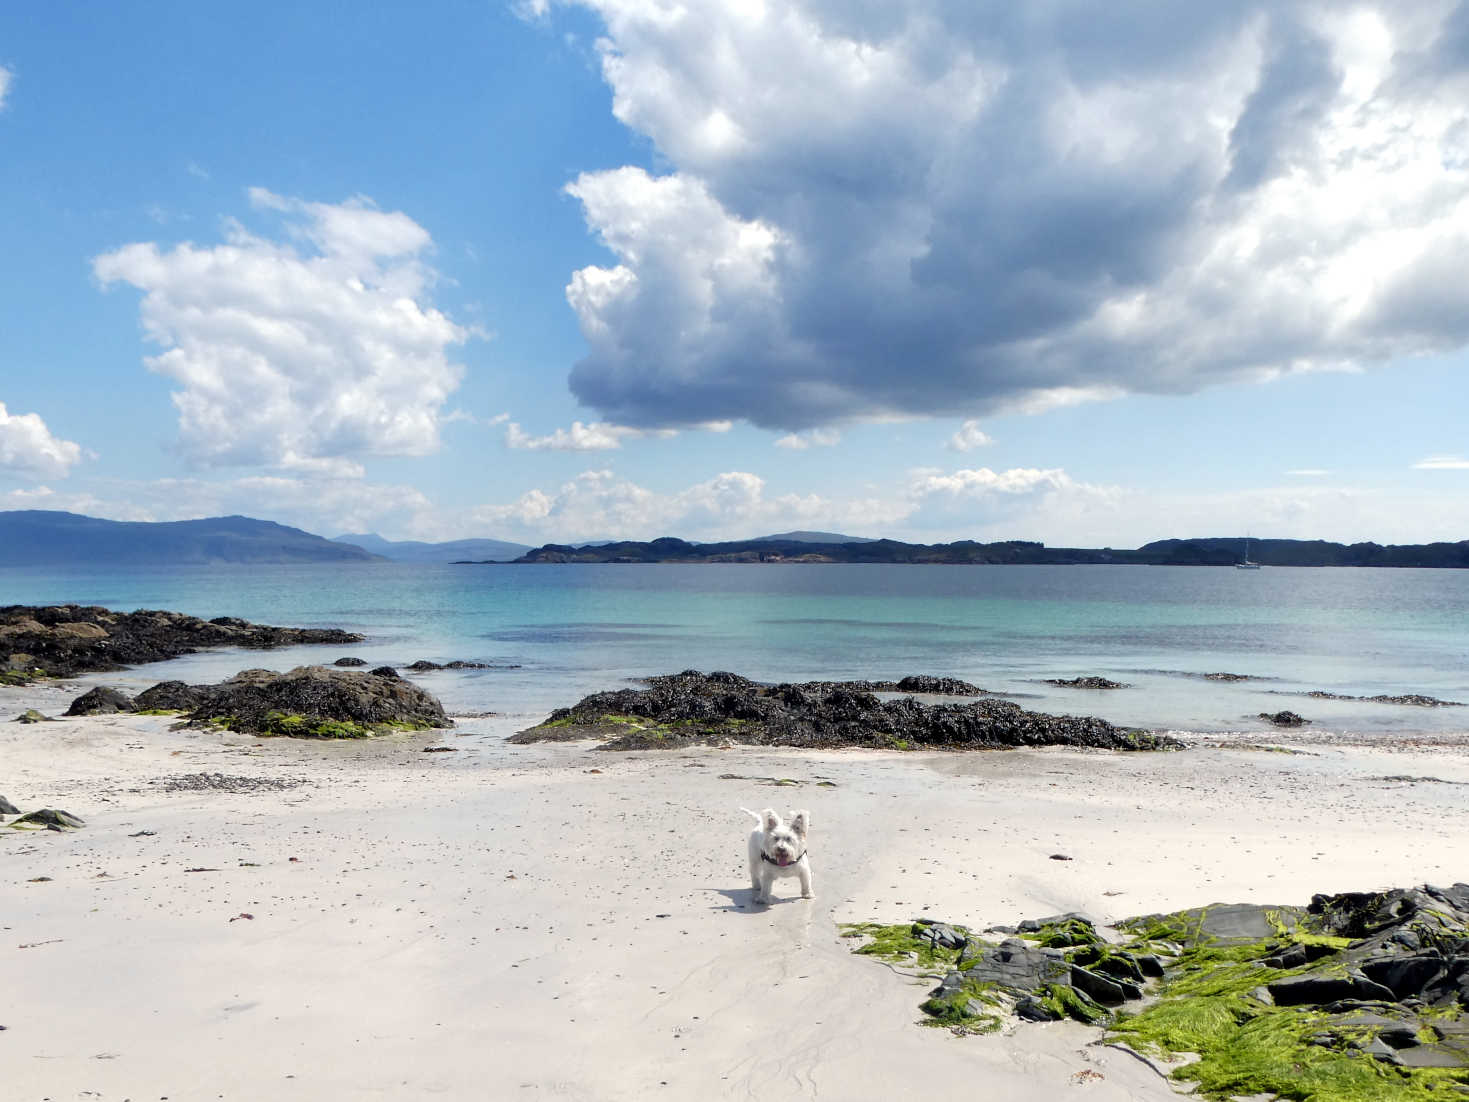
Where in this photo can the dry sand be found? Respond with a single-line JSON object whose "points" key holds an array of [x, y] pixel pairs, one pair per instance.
{"points": [[554, 922]]}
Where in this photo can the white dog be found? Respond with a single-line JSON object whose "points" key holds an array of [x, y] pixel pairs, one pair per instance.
{"points": [[778, 849]]}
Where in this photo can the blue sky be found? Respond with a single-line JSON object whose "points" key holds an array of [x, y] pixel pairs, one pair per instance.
{"points": [[626, 268]]}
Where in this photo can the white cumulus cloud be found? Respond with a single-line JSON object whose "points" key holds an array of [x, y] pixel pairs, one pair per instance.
{"points": [[969, 437], [27, 447], [599, 504], [929, 208], [6, 77], [1019, 503], [309, 353]]}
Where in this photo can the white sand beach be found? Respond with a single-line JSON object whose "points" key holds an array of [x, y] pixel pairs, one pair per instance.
{"points": [[551, 921]]}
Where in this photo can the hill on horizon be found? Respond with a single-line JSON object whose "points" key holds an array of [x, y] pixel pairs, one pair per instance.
{"points": [[422, 552], [39, 537], [802, 536]]}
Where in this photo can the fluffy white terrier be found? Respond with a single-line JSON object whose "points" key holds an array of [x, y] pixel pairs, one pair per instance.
{"points": [[778, 849]]}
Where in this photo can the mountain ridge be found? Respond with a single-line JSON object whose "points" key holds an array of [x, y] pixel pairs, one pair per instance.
{"points": [[40, 537]]}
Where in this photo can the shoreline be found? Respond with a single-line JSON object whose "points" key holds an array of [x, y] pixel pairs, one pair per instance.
{"points": [[450, 919]]}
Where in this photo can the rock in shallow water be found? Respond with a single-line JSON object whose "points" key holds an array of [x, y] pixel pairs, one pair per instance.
{"points": [[1284, 719], [65, 640], [692, 707]]}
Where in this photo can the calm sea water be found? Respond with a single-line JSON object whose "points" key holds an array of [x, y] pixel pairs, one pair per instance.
{"points": [[570, 630]]}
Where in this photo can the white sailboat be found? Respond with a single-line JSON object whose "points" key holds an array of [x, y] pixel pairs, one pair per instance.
{"points": [[1247, 564]]}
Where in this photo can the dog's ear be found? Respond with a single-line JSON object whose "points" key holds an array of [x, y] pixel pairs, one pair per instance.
{"points": [[801, 822], [770, 820]]}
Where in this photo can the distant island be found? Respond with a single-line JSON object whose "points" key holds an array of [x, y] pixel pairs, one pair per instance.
{"points": [[1214, 551], [49, 538], [449, 551]]}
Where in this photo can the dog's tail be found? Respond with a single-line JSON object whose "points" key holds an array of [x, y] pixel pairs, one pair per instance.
{"points": [[753, 814]]}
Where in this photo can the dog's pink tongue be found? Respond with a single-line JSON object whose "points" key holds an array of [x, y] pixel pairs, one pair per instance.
{"points": [[784, 861]]}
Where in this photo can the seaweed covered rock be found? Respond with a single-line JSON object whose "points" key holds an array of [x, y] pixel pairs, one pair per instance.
{"points": [[1415, 700], [690, 707], [1085, 683], [100, 701], [169, 696], [66, 640], [48, 818], [1284, 719], [317, 702], [1360, 995], [938, 686]]}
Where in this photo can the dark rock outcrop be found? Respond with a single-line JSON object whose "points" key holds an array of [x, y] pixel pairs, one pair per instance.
{"points": [[1414, 700], [100, 701], [317, 701], [169, 696], [1284, 719], [66, 640], [8, 808], [692, 707], [350, 662], [938, 686], [1085, 683]]}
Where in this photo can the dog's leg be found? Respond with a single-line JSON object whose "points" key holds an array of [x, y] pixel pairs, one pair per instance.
{"points": [[756, 873], [803, 870]]}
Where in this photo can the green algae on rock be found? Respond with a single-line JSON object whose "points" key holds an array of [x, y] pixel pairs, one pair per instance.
{"points": [[316, 702], [1358, 997]]}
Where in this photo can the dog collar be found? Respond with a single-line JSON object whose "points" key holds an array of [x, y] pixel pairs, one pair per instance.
{"points": [[766, 857]]}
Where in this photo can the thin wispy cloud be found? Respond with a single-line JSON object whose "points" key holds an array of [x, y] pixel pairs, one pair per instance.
{"points": [[812, 438], [1442, 463], [1308, 472], [596, 436], [6, 77]]}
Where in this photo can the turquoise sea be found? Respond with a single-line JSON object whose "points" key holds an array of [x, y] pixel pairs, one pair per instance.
{"points": [[556, 632]]}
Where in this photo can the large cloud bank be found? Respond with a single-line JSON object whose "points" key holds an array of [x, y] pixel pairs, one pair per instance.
{"points": [[305, 354], [923, 207]]}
